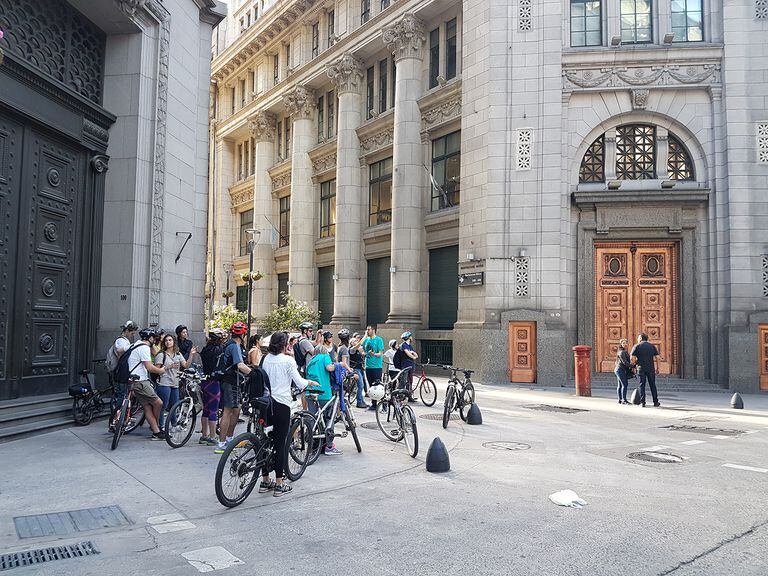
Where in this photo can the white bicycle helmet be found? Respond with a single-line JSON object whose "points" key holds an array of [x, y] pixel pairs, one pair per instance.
{"points": [[376, 392]]}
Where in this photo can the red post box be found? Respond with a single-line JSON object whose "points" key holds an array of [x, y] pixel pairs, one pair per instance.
{"points": [[582, 363]]}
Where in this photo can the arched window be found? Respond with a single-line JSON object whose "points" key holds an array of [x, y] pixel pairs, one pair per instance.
{"points": [[593, 163], [679, 163]]}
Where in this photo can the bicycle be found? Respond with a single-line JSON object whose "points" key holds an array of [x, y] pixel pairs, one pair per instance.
{"points": [[460, 394], [426, 387], [127, 416], [181, 418], [88, 401], [241, 464], [398, 413]]}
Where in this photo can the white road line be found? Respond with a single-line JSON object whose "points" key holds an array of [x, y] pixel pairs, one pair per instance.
{"points": [[693, 442], [164, 518], [751, 431], [748, 468], [721, 437], [654, 448], [173, 526], [210, 559]]}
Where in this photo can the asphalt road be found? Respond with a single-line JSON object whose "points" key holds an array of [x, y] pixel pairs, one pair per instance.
{"points": [[380, 512]]}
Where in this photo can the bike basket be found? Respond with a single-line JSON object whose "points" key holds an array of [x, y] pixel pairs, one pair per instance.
{"points": [[78, 390]]}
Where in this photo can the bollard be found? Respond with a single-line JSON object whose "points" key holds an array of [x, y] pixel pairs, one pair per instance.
{"points": [[635, 398], [475, 416], [437, 457], [583, 370], [737, 401]]}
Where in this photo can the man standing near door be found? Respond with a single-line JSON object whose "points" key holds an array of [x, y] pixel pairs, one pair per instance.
{"points": [[646, 356]]}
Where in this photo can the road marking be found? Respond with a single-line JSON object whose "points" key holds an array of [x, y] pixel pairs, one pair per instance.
{"points": [[748, 468], [173, 526], [693, 442], [164, 518], [654, 448], [751, 431], [721, 437], [210, 559]]}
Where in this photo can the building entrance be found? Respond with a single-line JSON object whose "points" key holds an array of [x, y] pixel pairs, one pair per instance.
{"points": [[636, 290]]}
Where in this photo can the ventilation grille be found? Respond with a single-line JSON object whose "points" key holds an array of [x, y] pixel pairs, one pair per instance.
{"points": [[525, 20], [30, 557], [762, 142], [522, 276], [524, 148], [761, 9], [764, 271]]}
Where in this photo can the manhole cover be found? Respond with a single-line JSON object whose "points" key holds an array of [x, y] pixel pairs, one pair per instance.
{"points": [[439, 416], [71, 522], [660, 457], [511, 446], [29, 557], [704, 430], [369, 425], [550, 408]]}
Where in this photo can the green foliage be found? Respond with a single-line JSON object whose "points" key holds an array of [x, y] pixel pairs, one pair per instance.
{"points": [[225, 316], [289, 316]]}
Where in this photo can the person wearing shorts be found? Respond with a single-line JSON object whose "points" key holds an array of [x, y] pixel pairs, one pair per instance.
{"points": [[140, 365], [230, 391]]}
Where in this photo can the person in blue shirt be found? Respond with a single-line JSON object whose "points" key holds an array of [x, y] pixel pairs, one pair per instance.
{"points": [[319, 369], [373, 346], [409, 357]]}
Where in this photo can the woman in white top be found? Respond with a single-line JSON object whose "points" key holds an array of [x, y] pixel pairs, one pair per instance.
{"points": [[282, 370], [172, 360]]}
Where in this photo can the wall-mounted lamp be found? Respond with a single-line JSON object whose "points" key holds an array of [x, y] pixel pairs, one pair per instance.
{"points": [[667, 184], [669, 38], [522, 252], [614, 184], [470, 257], [289, 283], [615, 41], [392, 269]]}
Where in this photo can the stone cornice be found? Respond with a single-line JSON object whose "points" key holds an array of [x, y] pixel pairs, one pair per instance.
{"points": [[597, 197], [241, 193], [406, 37], [346, 73], [300, 102], [441, 105]]}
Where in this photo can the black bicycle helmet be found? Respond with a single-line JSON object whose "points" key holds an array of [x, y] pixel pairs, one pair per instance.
{"points": [[147, 333], [306, 326], [343, 333]]}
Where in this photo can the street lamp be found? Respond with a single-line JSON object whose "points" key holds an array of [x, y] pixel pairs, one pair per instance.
{"points": [[253, 239], [228, 269]]}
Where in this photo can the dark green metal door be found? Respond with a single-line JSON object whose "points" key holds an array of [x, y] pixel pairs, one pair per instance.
{"points": [[282, 288], [443, 287], [377, 308], [325, 293]]}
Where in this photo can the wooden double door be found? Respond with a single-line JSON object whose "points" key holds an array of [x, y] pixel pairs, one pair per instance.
{"points": [[636, 290]]}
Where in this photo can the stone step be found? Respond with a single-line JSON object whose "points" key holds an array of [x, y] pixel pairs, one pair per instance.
{"points": [[31, 415], [603, 382]]}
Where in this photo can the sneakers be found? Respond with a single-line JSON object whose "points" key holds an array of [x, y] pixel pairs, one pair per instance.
{"points": [[220, 447], [332, 451], [266, 486], [363, 405], [207, 441], [157, 436], [656, 405], [281, 489], [371, 408]]}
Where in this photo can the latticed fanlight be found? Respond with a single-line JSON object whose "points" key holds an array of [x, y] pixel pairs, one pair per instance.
{"points": [[679, 163], [593, 163], [636, 152]]}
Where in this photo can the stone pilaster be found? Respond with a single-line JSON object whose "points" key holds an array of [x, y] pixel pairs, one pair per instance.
{"points": [[262, 126], [223, 224], [406, 39], [300, 104], [347, 75]]}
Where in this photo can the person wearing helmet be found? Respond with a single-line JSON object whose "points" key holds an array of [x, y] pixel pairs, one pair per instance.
{"points": [[344, 358], [231, 363], [373, 346], [140, 364], [211, 387], [304, 348], [409, 357], [357, 362], [389, 359], [184, 343], [327, 346]]}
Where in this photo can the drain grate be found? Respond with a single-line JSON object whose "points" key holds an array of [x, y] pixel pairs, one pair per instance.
{"points": [[30, 557], [68, 523], [550, 408], [659, 457], [369, 425], [439, 416], [703, 430], [509, 446]]}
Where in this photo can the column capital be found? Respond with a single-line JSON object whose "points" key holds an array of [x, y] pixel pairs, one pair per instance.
{"points": [[262, 125], [406, 37], [300, 102], [346, 73]]}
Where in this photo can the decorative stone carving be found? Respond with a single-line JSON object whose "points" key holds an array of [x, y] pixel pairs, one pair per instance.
{"points": [[405, 37], [378, 140], [324, 163], [242, 196], [51, 232], [100, 163], [54, 177], [46, 343], [444, 111], [346, 73], [656, 75], [48, 287], [300, 102], [129, 7], [262, 126], [281, 181], [640, 99]]}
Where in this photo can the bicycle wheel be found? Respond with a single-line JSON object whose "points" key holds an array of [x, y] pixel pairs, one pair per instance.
{"points": [[467, 399], [410, 433], [82, 411], [387, 422], [428, 392], [239, 469], [185, 416], [137, 416], [120, 424], [299, 445], [352, 427], [316, 445], [448, 405]]}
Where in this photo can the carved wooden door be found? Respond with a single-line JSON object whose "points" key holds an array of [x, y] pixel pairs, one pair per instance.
{"points": [[762, 333], [522, 352], [636, 291]]}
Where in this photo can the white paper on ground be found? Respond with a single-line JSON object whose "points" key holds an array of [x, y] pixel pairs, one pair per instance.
{"points": [[210, 559], [164, 518], [173, 526], [567, 498]]}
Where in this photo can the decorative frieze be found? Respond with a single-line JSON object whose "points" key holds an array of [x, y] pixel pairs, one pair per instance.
{"points": [[406, 37], [324, 163], [378, 140], [346, 74], [446, 110], [649, 75], [281, 177], [262, 126], [300, 102], [129, 7], [241, 195]]}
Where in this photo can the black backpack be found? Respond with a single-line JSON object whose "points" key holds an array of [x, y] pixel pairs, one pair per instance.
{"points": [[298, 355], [225, 366], [122, 373], [397, 360], [259, 387]]}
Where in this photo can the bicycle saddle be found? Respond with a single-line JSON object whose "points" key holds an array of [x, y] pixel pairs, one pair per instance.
{"points": [[400, 392], [134, 377], [468, 372]]}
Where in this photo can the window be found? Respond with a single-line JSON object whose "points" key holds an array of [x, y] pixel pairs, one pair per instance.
{"points": [[380, 192], [331, 102], [385, 4], [282, 289], [240, 161], [276, 68], [331, 28], [593, 164], [320, 119], [369, 98], [287, 132], [636, 25], [450, 49], [328, 209], [285, 221], [636, 152], [246, 221], [383, 84], [241, 298], [242, 23], [242, 92], [280, 149], [686, 20], [255, 13], [253, 156], [246, 158], [394, 73], [232, 94], [288, 57], [679, 165], [315, 39], [446, 163], [434, 57], [248, 20], [365, 11], [586, 23]]}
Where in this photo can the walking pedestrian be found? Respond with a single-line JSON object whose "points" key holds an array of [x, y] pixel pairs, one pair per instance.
{"points": [[646, 357], [373, 346], [167, 389], [211, 387], [623, 371]]}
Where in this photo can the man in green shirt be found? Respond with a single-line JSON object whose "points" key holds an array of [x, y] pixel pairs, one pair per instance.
{"points": [[373, 346]]}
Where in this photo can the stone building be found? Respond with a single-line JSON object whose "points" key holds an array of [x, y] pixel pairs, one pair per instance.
{"points": [[506, 179], [103, 178]]}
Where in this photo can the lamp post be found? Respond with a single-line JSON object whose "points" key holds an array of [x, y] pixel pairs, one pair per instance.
{"points": [[228, 269], [253, 239]]}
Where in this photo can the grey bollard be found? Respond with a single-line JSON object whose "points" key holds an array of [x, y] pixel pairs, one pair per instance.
{"points": [[737, 401], [437, 457], [635, 398], [474, 417]]}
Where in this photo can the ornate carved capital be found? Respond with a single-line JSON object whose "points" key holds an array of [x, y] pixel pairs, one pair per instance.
{"points": [[262, 126], [346, 73], [300, 102], [129, 7], [406, 37], [100, 163]]}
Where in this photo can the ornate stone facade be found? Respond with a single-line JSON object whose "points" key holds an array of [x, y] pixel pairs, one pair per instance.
{"points": [[406, 37], [300, 102], [346, 74]]}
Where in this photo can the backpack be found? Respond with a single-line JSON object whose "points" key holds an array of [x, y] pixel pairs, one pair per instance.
{"points": [[259, 387], [224, 366], [298, 355], [397, 360], [122, 373], [112, 359]]}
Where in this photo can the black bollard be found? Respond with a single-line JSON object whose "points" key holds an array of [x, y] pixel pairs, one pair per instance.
{"points": [[737, 401], [437, 457], [635, 398], [474, 417]]}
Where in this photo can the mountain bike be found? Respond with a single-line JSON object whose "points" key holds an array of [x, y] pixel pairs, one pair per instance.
{"points": [[426, 387], [90, 402], [460, 394], [397, 420], [181, 418], [129, 416], [241, 464], [336, 410]]}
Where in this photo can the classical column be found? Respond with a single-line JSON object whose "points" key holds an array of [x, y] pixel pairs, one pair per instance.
{"points": [[300, 104], [662, 153], [223, 225], [406, 39], [347, 75], [263, 130]]}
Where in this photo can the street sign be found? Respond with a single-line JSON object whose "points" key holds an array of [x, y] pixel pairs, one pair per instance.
{"points": [[472, 279]]}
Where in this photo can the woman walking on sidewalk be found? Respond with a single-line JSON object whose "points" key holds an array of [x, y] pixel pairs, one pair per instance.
{"points": [[172, 360], [623, 371]]}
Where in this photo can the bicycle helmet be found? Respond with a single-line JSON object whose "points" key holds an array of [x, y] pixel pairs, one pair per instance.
{"points": [[306, 326], [130, 325], [343, 333], [376, 392], [406, 335], [327, 335], [238, 329], [147, 333], [392, 343]]}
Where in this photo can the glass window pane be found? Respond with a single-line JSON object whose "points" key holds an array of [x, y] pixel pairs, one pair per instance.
{"points": [[627, 6], [592, 24], [643, 7], [454, 142], [678, 19], [594, 38], [677, 5], [385, 200], [438, 173], [577, 9], [694, 35], [578, 39], [643, 21], [438, 147], [374, 171], [577, 25], [693, 5], [593, 8], [387, 168], [643, 35]]}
